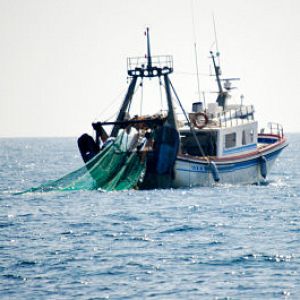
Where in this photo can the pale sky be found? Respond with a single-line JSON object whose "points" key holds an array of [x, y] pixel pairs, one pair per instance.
{"points": [[63, 61]]}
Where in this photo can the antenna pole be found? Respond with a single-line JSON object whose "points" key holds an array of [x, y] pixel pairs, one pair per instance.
{"points": [[197, 71], [195, 49], [216, 39], [221, 99]]}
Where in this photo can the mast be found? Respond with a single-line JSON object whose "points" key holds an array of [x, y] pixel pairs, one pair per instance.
{"points": [[140, 67], [217, 72], [149, 57], [221, 99], [154, 66]]}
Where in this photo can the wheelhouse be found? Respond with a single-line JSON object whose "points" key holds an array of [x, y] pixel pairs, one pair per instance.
{"points": [[220, 142]]}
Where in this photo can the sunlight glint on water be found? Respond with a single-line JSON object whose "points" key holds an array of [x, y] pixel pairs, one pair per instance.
{"points": [[235, 242]]}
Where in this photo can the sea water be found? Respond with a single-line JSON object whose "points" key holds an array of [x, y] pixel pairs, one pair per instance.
{"points": [[226, 242]]}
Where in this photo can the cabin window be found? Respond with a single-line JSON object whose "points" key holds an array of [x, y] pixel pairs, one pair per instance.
{"points": [[230, 140], [247, 137], [244, 140], [207, 141], [251, 136]]}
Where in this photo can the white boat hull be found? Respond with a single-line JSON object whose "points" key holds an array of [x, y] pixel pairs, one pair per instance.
{"points": [[191, 172]]}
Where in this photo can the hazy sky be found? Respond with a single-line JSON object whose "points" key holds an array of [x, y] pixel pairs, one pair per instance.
{"points": [[63, 61]]}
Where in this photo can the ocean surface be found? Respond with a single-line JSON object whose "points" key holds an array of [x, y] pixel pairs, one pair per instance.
{"points": [[226, 242]]}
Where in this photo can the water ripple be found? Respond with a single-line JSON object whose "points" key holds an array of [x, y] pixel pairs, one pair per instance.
{"points": [[228, 242]]}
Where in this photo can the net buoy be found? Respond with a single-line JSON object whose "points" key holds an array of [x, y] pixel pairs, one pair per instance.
{"points": [[214, 171], [263, 167]]}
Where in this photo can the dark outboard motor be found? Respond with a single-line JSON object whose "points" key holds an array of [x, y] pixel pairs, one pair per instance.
{"points": [[88, 147]]}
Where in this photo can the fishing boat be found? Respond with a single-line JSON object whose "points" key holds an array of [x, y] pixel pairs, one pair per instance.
{"points": [[217, 143]]}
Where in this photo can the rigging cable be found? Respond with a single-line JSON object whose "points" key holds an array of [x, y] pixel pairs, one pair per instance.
{"points": [[192, 73], [160, 94], [189, 124], [115, 113], [197, 71], [115, 99], [213, 167], [142, 96], [136, 89]]}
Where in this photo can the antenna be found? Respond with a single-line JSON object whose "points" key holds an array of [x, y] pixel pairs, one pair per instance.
{"points": [[197, 71], [228, 83], [195, 49], [216, 40]]}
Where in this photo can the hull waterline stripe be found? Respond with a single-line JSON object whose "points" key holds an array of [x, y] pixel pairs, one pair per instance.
{"points": [[239, 149], [230, 167]]}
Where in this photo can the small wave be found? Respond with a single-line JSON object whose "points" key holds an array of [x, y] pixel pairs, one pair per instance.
{"points": [[80, 225], [248, 259], [263, 258], [26, 263], [67, 232], [4, 225], [123, 217], [278, 183], [215, 242], [143, 238], [263, 183], [183, 228], [25, 215], [14, 277]]}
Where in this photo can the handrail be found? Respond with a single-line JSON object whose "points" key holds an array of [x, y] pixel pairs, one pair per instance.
{"points": [[243, 113], [158, 61], [275, 128]]}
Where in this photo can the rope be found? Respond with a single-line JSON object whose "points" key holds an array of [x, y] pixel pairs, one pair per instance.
{"points": [[115, 99], [160, 93], [142, 96], [136, 89], [192, 73]]}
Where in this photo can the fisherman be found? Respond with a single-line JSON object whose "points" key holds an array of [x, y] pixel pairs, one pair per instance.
{"points": [[129, 138]]}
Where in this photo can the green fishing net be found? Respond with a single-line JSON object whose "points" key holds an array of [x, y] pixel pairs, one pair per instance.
{"points": [[114, 168]]}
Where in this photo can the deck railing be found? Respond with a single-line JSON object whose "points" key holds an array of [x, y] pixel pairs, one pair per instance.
{"points": [[273, 128], [158, 61], [236, 116], [229, 118]]}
